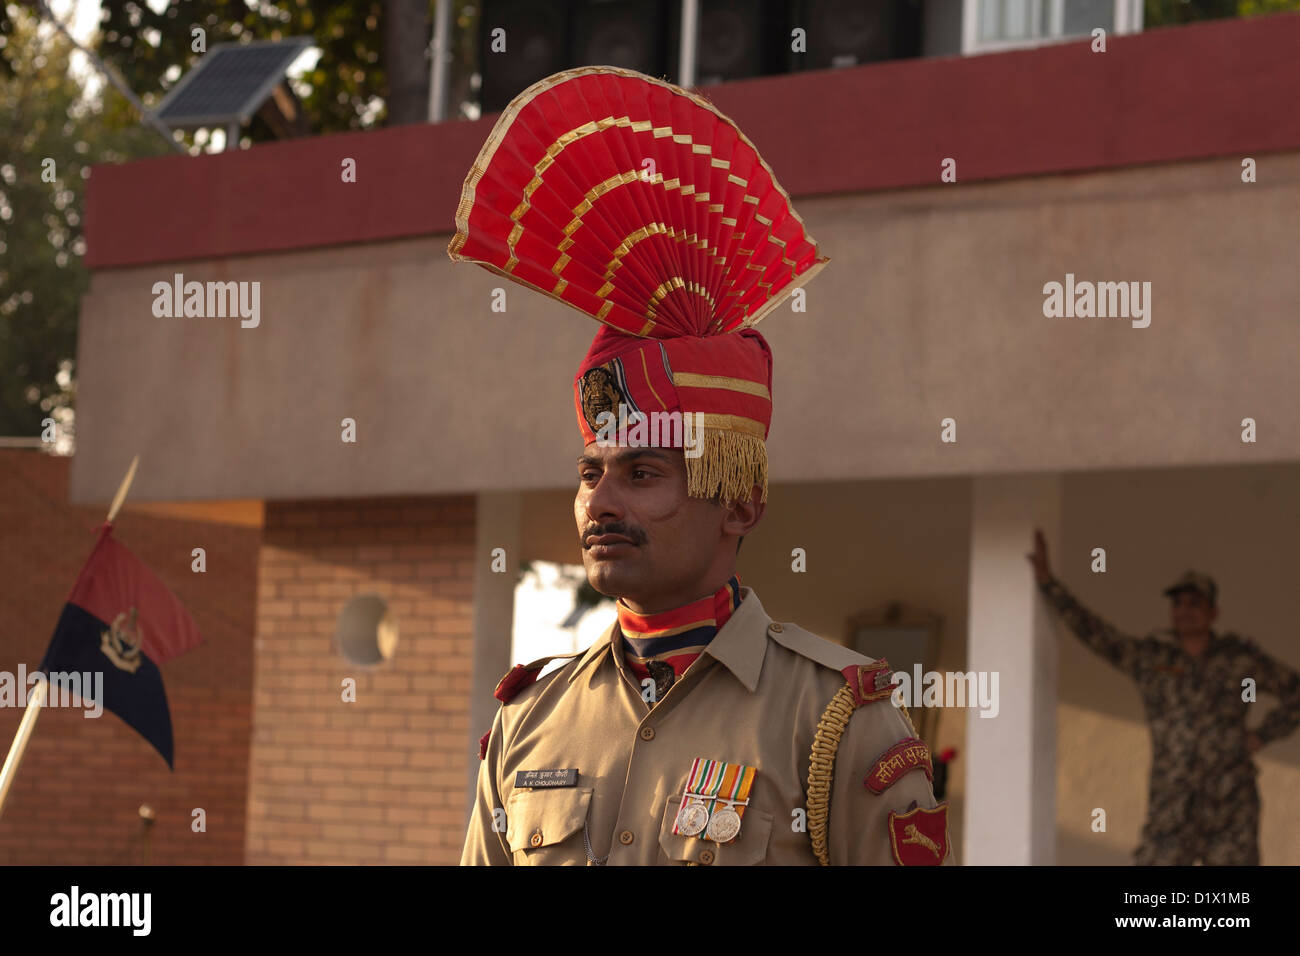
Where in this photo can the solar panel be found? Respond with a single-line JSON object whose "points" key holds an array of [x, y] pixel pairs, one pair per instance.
{"points": [[230, 83]]}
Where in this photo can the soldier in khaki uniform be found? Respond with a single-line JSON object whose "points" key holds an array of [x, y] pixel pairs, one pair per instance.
{"points": [[696, 730], [755, 696]]}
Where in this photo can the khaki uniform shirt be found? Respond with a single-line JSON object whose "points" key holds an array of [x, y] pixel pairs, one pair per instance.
{"points": [[754, 696]]}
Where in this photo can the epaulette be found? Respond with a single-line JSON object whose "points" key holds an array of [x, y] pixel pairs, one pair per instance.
{"points": [[807, 644], [867, 680], [515, 680]]}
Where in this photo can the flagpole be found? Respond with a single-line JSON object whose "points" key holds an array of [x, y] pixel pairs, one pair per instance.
{"points": [[122, 489], [36, 699]]}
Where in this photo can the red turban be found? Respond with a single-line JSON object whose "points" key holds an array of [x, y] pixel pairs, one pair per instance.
{"points": [[641, 205]]}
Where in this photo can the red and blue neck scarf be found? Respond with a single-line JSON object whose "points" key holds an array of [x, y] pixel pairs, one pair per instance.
{"points": [[661, 646]]}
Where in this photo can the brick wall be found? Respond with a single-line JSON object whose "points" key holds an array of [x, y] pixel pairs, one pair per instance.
{"points": [[381, 780], [77, 795]]}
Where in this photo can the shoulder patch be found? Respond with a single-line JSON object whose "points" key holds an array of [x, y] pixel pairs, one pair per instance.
{"points": [[522, 675], [869, 682], [908, 754], [519, 677], [919, 837]]}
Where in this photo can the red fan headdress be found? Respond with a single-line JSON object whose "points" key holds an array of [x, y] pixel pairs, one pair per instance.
{"points": [[638, 203]]}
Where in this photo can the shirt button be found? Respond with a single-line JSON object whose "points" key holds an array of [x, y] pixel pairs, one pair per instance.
{"points": [[625, 837], [706, 857], [536, 839], [777, 628], [647, 733]]}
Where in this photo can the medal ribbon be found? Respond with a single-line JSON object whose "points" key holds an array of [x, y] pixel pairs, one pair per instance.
{"points": [[712, 782], [703, 781], [736, 782]]}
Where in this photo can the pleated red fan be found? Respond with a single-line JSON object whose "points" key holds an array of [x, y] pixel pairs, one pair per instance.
{"points": [[636, 202]]}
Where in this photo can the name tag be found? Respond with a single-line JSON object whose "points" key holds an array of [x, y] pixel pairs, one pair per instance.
{"points": [[541, 779]]}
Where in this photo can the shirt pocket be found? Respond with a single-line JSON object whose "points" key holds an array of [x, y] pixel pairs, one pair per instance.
{"points": [[541, 825], [747, 849]]}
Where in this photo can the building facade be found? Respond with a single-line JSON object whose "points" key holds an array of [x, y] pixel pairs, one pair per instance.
{"points": [[930, 413]]}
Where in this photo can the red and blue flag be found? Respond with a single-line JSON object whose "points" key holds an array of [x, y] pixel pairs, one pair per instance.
{"points": [[122, 621]]}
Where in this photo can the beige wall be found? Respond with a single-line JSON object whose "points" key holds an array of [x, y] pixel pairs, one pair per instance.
{"points": [[931, 307], [875, 541]]}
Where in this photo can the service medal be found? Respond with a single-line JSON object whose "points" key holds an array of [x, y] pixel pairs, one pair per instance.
{"points": [[714, 800], [724, 826], [692, 818]]}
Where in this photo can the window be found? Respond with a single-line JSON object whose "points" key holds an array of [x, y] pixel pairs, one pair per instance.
{"points": [[989, 25]]}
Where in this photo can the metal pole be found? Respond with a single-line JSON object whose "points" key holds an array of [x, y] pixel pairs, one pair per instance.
{"points": [[16, 750], [690, 41], [440, 69], [145, 113]]}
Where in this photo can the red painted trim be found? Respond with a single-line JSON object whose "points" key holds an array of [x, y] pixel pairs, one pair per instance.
{"points": [[1222, 88]]}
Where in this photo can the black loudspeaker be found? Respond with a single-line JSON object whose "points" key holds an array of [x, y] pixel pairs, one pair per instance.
{"points": [[542, 38], [738, 39], [853, 32], [627, 33], [536, 45]]}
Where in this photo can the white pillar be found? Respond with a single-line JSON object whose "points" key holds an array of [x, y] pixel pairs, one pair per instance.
{"points": [[1011, 758], [496, 525], [440, 62], [689, 43]]}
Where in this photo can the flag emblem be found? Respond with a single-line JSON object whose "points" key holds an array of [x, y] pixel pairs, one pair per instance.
{"points": [[121, 642]]}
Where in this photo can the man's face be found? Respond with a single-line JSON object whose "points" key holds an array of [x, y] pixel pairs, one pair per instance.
{"points": [[643, 538], [1191, 613]]}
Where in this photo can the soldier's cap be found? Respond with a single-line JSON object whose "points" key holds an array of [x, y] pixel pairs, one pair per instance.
{"points": [[1202, 584]]}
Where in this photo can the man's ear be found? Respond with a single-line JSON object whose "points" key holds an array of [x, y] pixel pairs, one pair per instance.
{"points": [[742, 516]]}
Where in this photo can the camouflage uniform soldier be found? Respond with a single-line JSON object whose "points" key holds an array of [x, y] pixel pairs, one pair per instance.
{"points": [[1203, 804]]}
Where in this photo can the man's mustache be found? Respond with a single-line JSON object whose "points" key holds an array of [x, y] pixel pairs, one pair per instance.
{"points": [[635, 535]]}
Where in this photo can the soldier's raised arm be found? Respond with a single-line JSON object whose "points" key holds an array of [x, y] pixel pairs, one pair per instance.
{"points": [[1098, 634], [1274, 677], [485, 841]]}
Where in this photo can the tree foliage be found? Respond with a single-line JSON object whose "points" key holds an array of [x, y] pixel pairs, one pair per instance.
{"points": [[49, 136], [344, 91], [1167, 13]]}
